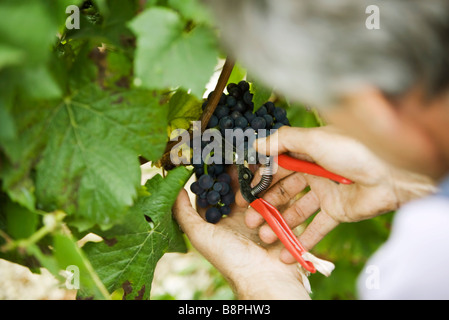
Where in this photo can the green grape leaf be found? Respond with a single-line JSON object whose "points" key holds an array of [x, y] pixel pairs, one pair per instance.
{"points": [[10, 56], [90, 163], [17, 20], [127, 257], [192, 10], [238, 74], [67, 256], [183, 109], [341, 243], [167, 56], [106, 21], [22, 150], [19, 222], [300, 116], [37, 83], [261, 94], [7, 126]]}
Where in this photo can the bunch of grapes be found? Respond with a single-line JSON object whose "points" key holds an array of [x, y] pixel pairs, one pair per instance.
{"points": [[234, 111]]}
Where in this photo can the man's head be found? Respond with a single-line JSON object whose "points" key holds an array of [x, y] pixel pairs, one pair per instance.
{"points": [[387, 86]]}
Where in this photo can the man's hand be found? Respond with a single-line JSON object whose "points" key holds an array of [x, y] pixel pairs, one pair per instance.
{"points": [[377, 187], [253, 269]]}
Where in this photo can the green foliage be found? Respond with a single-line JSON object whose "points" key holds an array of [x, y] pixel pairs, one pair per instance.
{"points": [[130, 251], [173, 48], [74, 122], [184, 108], [261, 94]]}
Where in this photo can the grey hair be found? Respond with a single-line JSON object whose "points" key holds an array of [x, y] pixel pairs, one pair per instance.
{"points": [[316, 51]]}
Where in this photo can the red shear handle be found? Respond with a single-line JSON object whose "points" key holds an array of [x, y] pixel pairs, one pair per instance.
{"points": [[282, 230], [297, 165]]}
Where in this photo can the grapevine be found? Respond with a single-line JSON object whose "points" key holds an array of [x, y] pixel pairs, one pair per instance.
{"points": [[235, 111]]}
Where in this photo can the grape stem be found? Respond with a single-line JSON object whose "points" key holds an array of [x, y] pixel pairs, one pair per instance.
{"points": [[216, 96]]}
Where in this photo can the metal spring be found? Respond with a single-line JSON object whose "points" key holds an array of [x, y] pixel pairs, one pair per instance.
{"points": [[266, 180]]}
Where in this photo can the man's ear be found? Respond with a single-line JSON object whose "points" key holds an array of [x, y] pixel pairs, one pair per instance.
{"points": [[368, 115]]}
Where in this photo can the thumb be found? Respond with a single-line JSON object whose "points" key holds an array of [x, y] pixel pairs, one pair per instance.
{"points": [[190, 221]]}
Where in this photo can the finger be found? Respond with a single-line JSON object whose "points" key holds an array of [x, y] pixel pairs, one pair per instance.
{"points": [[320, 226], [295, 215], [286, 139], [280, 194], [190, 221], [280, 174]]}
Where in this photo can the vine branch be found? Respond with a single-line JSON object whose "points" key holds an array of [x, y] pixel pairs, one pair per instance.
{"points": [[165, 161]]}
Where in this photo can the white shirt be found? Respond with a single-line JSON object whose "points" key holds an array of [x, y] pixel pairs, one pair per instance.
{"points": [[414, 262]]}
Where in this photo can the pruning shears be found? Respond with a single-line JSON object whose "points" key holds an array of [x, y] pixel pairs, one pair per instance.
{"points": [[272, 215]]}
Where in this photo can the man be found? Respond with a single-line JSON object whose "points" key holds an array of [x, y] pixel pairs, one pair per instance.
{"points": [[385, 93]]}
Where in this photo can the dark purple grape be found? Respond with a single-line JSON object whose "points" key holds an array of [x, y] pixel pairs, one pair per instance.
{"points": [[269, 120], [219, 168], [210, 95], [228, 199], [199, 172], [223, 99], [235, 115], [240, 107], [202, 203], [213, 215], [211, 171], [225, 210], [225, 188], [226, 123], [285, 121], [221, 111], [248, 98], [280, 114], [243, 85], [213, 197], [217, 186], [206, 182], [258, 123], [196, 189], [250, 107], [262, 111], [213, 122], [278, 125], [224, 177], [231, 101], [230, 86], [249, 116], [241, 122], [270, 107], [235, 92]]}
